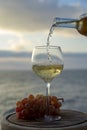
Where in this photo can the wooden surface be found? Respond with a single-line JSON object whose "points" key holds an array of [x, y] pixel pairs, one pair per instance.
{"points": [[71, 120]]}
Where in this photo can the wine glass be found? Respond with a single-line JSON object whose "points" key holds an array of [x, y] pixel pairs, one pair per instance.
{"points": [[47, 63]]}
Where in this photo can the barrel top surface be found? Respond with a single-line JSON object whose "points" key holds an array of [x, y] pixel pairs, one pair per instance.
{"points": [[69, 118]]}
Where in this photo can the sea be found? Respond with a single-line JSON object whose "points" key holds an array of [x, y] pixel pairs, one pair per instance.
{"points": [[70, 85]]}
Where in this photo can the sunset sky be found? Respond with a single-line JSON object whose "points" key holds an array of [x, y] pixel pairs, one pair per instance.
{"points": [[26, 23]]}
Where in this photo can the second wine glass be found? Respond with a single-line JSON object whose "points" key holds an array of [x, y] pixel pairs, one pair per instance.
{"points": [[47, 63]]}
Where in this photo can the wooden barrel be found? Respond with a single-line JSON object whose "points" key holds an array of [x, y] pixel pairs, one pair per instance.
{"points": [[71, 120]]}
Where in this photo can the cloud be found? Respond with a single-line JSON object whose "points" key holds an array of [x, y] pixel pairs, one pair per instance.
{"points": [[73, 3], [18, 44], [13, 63], [33, 15], [4, 54], [75, 60], [11, 60]]}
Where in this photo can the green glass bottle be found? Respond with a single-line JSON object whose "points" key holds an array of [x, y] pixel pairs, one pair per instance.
{"points": [[79, 24]]}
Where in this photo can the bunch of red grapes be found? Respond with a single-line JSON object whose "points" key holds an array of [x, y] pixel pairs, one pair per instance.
{"points": [[34, 107]]}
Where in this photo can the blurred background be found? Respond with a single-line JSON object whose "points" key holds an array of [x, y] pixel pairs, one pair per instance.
{"points": [[25, 24]]}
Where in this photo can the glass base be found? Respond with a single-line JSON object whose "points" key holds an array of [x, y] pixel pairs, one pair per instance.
{"points": [[48, 118]]}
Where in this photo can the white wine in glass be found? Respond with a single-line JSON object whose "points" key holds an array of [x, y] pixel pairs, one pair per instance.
{"points": [[47, 63]]}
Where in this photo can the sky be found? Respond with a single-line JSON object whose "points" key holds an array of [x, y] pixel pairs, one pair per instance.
{"points": [[26, 23]]}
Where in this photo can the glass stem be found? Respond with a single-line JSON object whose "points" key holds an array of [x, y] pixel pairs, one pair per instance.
{"points": [[47, 97]]}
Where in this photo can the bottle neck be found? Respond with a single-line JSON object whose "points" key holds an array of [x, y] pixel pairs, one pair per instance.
{"points": [[64, 22]]}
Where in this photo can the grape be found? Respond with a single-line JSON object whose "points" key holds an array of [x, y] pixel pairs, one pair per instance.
{"points": [[31, 97], [34, 107]]}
